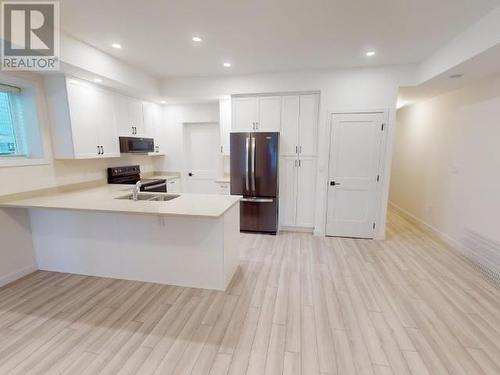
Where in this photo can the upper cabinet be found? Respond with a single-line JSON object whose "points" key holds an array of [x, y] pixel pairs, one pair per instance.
{"points": [[83, 119], [129, 116], [299, 125], [262, 114], [154, 127]]}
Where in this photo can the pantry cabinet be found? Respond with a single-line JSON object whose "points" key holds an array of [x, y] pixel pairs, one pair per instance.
{"points": [[299, 125], [83, 121], [254, 113], [297, 192]]}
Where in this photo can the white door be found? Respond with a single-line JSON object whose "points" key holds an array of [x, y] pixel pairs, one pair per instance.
{"points": [[289, 137], [82, 103], [104, 115], [245, 113], [288, 191], [308, 118], [269, 114], [306, 183], [356, 142], [201, 146]]}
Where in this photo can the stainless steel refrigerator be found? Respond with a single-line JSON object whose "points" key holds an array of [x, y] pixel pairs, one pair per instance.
{"points": [[254, 174]]}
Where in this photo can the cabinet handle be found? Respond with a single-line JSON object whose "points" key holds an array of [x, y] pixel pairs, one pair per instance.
{"points": [[300, 163], [102, 150], [300, 149], [98, 150], [296, 149], [221, 150]]}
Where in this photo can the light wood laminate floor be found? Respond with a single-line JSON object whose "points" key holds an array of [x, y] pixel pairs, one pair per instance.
{"points": [[299, 305]]}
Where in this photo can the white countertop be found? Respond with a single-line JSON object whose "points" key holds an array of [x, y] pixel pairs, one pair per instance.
{"points": [[102, 199]]}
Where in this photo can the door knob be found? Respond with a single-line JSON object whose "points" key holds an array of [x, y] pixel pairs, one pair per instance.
{"points": [[190, 174], [333, 183]]}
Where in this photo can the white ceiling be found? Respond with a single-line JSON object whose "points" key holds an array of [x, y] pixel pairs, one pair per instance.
{"points": [[266, 36]]}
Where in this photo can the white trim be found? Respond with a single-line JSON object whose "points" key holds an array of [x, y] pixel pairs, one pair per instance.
{"points": [[13, 161], [13, 276], [296, 229], [426, 226]]}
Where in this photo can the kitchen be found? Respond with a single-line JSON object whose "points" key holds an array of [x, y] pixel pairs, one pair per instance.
{"points": [[221, 200]]}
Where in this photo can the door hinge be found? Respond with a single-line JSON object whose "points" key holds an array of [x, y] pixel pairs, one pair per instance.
{"points": [[374, 225], [383, 125], [378, 178]]}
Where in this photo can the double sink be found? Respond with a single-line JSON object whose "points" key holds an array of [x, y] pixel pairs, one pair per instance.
{"points": [[158, 197]]}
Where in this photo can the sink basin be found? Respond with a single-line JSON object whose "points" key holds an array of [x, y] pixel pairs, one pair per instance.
{"points": [[162, 197]]}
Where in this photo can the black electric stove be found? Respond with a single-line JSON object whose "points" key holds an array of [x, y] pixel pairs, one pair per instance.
{"points": [[130, 174]]}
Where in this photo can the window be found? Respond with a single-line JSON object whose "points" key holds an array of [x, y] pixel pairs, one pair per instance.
{"points": [[11, 123]]}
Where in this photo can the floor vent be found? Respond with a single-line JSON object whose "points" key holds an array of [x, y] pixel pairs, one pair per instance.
{"points": [[483, 254]]}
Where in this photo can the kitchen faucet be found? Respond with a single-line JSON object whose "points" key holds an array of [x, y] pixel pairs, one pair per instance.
{"points": [[136, 190]]}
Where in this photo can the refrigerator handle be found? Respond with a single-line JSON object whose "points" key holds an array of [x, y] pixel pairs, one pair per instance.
{"points": [[253, 164], [247, 146]]}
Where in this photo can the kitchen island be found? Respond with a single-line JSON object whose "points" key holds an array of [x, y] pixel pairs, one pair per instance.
{"points": [[191, 240]]}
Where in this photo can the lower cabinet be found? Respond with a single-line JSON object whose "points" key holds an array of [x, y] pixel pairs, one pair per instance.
{"points": [[222, 188], [174, 185], [297, 192]]}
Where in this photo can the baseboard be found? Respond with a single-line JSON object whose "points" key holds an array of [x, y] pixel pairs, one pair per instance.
{"points": [[427, 227], [13, 276], [296, 229]]}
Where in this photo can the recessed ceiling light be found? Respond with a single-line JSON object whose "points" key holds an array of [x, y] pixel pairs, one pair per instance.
{"points": [[370, 53], [97, 80], [456, 76], [116, 45], [227, 65], [163, 102], [196, 39]]}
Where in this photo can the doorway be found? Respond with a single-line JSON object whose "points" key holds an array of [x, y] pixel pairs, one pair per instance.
{"points": [[201, 150], [357, 142]]}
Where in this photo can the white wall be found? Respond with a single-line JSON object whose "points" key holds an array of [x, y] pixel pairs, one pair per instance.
{"points": [[175, 116], [16, 247], [446, 165], [341, 89]]}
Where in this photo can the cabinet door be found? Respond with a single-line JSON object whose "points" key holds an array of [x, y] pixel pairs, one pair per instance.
{"points": [[174, 186], [160, 130], [269, 119], [289, 137], [244, 114], [308, 119], [136, 116], [306, 183], [121, 105], [288, 191], [225, 124], [107, 134], [82, 102], [149, 125]]}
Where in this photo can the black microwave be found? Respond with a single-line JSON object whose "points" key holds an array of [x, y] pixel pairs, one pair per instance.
{"points": [[136, 145]]}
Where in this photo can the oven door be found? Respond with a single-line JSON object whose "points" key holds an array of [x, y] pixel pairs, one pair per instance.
{"points": [[136, 145]]}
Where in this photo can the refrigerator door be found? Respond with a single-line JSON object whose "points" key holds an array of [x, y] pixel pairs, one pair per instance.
{"points": [[264, 159], [259, 214], [240, 163]]}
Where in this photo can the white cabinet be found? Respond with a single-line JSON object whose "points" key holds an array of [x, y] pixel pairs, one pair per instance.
{"points": [[82, 119], [254, 113], [225, 124], [299, 125], [297, 192], [174, 185], [130, 116], [222, 188], [154, 127], [245, 112], [306, 184]]}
